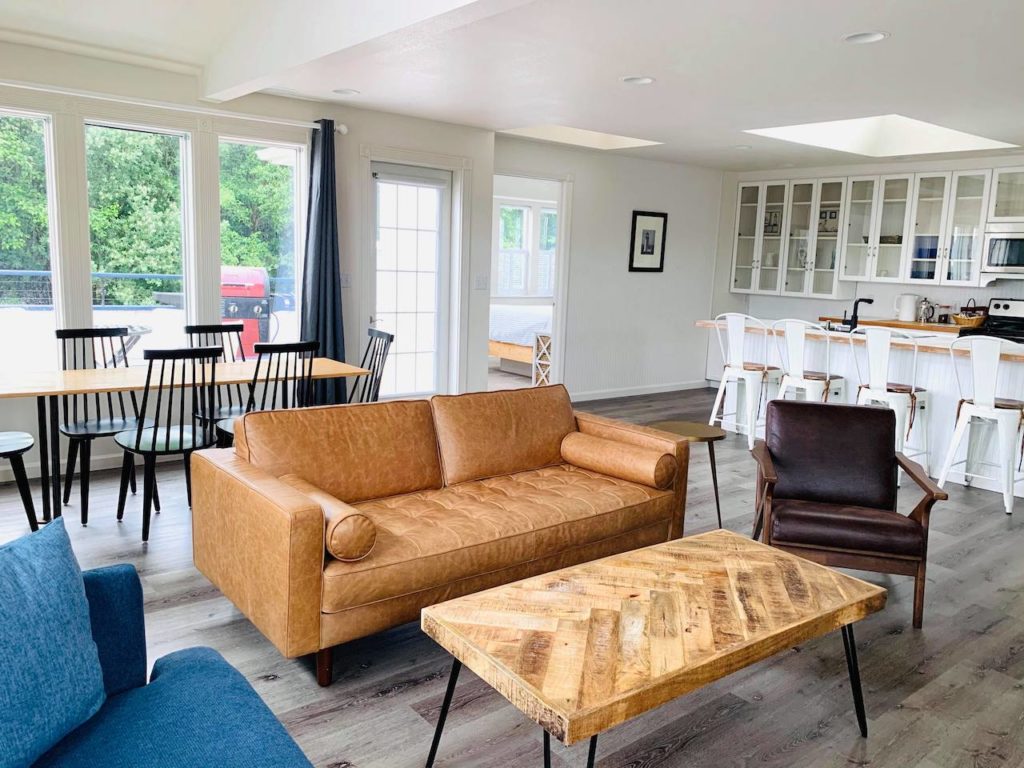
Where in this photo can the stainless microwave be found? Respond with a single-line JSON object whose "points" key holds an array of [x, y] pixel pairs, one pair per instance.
{"points": [[1004, 248]]}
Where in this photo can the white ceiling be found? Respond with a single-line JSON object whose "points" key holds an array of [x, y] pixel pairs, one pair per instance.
{"points": [[720, 67]]}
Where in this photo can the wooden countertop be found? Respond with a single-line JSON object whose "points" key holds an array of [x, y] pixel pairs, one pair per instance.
{"points": [[940, 347], [893, 323]]}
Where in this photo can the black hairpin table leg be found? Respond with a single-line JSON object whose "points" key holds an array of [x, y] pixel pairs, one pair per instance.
{"points": [[44, 456], [453, 678], [591, 752], [55, 456], [854, 668]]}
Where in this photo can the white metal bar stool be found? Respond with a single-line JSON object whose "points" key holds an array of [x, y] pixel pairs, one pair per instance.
{"points": [[908, 401], [983, 408], [792, 343], [751, 378]]}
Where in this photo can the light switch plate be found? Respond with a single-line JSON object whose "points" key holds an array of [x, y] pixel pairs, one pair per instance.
{"points": [[346, 280], [482, 282]]}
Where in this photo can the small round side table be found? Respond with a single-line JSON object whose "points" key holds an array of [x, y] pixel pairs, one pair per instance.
{"points": [[696, 432]]}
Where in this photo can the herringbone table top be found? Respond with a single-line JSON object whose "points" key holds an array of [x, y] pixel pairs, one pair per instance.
{"points": [[586, 648]]}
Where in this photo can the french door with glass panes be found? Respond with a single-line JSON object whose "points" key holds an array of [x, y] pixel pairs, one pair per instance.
{"points": [[410, 275]]}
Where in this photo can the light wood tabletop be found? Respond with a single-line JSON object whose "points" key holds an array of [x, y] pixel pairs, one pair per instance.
{"points": [[54, 382], [586, 648], [694, 431]]}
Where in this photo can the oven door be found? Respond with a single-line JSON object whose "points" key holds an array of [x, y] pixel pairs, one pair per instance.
{"points": [[1004, 252]]}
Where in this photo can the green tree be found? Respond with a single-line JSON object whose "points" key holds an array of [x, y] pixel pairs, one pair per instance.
{"points": [[24, 232]]}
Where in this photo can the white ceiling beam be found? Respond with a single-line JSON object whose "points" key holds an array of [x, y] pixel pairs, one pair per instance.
{"points": [[274, 37]]}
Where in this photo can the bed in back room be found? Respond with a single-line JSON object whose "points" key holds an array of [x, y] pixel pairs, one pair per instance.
{"points": [[513, 328]]}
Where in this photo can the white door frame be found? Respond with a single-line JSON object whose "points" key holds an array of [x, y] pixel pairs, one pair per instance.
{"points": [[456, 375], [559, 320]]}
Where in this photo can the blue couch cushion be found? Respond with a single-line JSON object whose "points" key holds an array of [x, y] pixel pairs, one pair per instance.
{"points": [[50, 676], [196, 712]]}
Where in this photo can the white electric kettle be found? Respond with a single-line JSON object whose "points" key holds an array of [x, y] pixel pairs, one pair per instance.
{"points": [[905, 307]]}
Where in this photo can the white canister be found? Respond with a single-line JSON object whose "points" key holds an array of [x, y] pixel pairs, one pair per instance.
{"points": [[905, 307]]}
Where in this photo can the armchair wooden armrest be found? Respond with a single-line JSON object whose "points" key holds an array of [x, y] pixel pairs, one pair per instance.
{"points": [[919, 476], [764, 462]]}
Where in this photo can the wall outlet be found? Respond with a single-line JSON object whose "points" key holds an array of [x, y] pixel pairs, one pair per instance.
{"points": [[481, 282]]}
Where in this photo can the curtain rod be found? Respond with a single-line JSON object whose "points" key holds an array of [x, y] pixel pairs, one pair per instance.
{"points": [[170, 106]]}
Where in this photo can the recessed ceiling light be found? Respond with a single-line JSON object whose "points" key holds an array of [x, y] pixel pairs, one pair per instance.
{"points": [[346, 91], [881, 136], [863, 38], [563, 134], [742, 147], [637, 80]]}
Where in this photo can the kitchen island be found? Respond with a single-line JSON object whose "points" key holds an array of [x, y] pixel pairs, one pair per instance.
{"points": [[936, 372]]}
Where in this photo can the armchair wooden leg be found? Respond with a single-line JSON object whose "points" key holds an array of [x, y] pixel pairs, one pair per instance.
{"points": [[325, 667], [919, 581]]}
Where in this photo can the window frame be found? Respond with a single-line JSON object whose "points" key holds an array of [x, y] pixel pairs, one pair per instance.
{"points": [[532, 233]]}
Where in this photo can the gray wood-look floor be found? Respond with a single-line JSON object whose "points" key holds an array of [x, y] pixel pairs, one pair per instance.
{"points": [[947, 696]]}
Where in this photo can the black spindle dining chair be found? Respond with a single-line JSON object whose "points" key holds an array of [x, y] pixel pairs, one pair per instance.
{"points": [[88, 416], [367, 388], [180, 388], [230, 399], [283, 379]]}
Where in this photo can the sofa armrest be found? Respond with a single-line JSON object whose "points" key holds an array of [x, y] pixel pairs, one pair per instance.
{"points": [[118, 627], [261, 543], [645, 437]]}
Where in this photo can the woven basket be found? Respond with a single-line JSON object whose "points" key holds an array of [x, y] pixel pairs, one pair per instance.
{"points": [[969, 321]]}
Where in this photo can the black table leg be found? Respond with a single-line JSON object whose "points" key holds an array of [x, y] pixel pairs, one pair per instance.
{"points": [[453, 678], [854, 668], [44, 456], [714, 481], [55, 456], [591, 752]]}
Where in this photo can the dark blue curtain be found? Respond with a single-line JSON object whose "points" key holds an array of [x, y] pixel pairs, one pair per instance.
{"points": [[321, 280]]}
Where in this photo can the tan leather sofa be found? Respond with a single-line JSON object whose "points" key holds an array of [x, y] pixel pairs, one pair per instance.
{"points": [[323, 525]]}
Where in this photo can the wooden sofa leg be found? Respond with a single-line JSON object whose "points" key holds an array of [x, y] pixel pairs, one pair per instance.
{"points": [[325, 666], [919, 581]]}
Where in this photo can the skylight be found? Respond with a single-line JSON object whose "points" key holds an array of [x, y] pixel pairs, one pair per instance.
{"points": [[882, 136], [581, 137]]}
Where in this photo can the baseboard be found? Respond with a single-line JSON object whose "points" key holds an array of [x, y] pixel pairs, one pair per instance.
{"points": [[96, 462], [646, 389]]}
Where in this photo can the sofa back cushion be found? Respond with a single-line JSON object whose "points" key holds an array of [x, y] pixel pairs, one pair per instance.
{"points": [[51, 680], [498, 433], [353, 452]]}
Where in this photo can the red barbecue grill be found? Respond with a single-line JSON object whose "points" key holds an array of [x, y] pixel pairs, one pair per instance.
{"points": [[245, 296]]}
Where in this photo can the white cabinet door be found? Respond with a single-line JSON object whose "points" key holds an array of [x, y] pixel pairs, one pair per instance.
{"points": [[824, 262], [928, 228], [1007, 195], [891, 226], [965, 227], [745, 251], [859, 227], [800, 231], [773, 218]]}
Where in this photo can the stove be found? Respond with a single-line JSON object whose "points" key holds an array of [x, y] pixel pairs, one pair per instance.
{"points": [[1005, 320]]}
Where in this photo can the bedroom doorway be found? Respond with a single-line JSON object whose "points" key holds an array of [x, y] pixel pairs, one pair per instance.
{"points": [[527, 270]]}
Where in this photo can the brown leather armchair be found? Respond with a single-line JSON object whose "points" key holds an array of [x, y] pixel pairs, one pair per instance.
{"points": [[826, 490]]}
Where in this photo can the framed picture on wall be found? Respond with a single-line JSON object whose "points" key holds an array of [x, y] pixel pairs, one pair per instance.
{"points": [[647, 242]]}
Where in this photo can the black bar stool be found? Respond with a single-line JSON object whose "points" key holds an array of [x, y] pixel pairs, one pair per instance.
{"points": [[12, 446]]}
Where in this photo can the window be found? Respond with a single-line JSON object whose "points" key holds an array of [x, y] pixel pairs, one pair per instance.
{"points": [[259, 233], [26, 288], [527, 238], [410, 273], [136, 233]]}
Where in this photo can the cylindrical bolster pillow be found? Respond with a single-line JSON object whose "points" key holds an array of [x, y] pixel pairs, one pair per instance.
{"points": [[646, 466], [349, 535]]}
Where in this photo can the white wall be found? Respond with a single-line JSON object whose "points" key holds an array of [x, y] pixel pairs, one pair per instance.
{"points": [[629, 333], [415, 140]]}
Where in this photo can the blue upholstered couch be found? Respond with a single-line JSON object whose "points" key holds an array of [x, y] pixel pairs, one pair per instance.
{"points": [[196, 712]]}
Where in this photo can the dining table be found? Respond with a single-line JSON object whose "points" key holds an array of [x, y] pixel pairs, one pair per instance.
{"points": [[48, 386]]}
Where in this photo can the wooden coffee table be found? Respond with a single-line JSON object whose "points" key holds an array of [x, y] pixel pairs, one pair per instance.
{"points": [[586, 648]]}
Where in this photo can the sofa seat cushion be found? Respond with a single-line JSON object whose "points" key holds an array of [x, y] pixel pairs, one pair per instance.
{"points": [[841, 526], [197, 712], [437, 537]]}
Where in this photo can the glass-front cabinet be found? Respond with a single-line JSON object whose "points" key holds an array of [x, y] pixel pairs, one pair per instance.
{"points": [[1007, 195], [812, 238], [876, 223], [823, 265], [760, 235], [800, 238], [948, 226]]}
